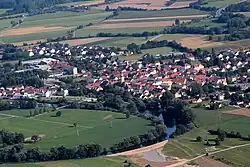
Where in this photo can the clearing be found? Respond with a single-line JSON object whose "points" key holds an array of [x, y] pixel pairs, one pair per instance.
{"points": [[60, 130]]}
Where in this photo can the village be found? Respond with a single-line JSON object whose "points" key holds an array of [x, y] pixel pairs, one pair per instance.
{"points": [[147, 78]]}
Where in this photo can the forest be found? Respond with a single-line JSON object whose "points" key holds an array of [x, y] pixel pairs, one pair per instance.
{"points": [[20, 6]]}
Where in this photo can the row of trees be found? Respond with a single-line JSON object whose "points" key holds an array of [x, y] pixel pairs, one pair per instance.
{"points": [[222, 134], [199, 5], [18, 153]]}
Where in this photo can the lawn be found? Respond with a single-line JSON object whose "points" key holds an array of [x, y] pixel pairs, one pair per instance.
{"points": [[59, 131], [184, 147], [92, 162], [220, 3], [161, 13]]}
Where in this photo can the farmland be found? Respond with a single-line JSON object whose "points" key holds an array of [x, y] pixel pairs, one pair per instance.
{"points": [[220, 3], [184, 147], [94, 162], [58, 131]]}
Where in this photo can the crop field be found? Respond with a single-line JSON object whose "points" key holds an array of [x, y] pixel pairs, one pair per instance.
{"points": [[185, 147], [220, 3], [198, 41], [146, 4], [59, 131], [92, 162], [161, 13]]}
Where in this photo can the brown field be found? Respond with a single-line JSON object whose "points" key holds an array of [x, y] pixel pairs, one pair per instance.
{"points": [[136, 25], [198, 42], [145, 4], [183, 4], [76, 42], [155, 18], [242, 111], [30, 30]]}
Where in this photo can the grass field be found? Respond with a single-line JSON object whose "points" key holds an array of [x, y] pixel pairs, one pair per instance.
{"points": [[220, 3], [59, 131], [184, 147], [162, 13], [92, 162], [64, 19]]}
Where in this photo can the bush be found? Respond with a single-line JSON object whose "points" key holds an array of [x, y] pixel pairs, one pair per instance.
{"points": [[199, 139], [58, 113]]}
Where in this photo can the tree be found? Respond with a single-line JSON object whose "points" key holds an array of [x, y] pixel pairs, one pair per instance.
{"points": [[177, 22], [217, 142], [58, 113], [199, 139], [127, 114], [195, 89], [35, 138], [76, 127]]}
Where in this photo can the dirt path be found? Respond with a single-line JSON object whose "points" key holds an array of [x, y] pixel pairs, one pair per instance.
{"points": [[141, 150], [203, 155]]}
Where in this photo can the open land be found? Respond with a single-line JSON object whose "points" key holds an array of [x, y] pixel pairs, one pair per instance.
{"points": [[184, 147], [31, 30], [220, 3], [136, 24], [155, 18], [161, 13], [59, 131], [146, 4], [242, 111], [181, 4], [198, 41], [92, 162], [76, 42]]}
